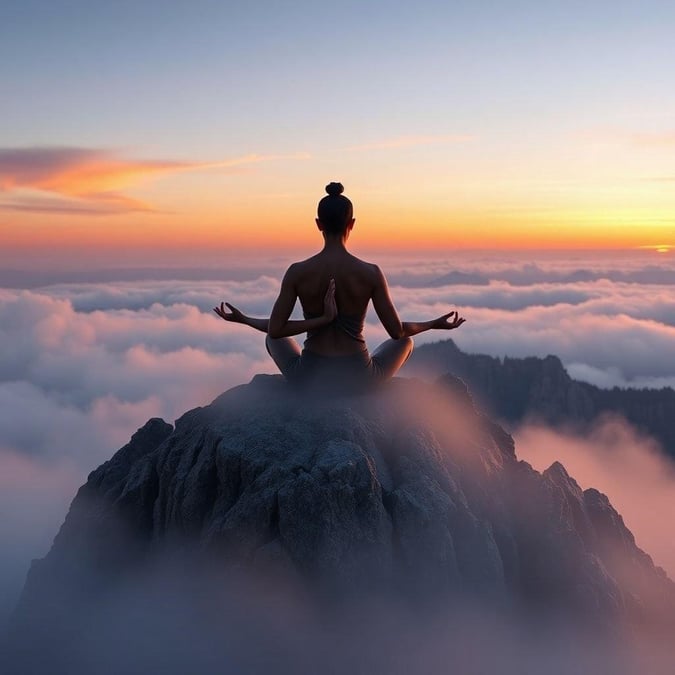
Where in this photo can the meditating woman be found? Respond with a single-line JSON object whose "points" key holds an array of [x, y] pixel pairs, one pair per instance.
{"points": [[335, 288]]}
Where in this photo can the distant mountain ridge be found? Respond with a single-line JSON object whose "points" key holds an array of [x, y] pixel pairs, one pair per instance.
{"points": [[540, 389], [528, 274]]}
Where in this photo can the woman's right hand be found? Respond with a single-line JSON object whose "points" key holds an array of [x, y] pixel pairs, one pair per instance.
{"points": [[448, 321], [234, 315], [329, 304]]}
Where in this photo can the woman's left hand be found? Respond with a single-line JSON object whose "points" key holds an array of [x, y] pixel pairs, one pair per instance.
{"points": [[329, 304], [233, 315], [446, 322]]}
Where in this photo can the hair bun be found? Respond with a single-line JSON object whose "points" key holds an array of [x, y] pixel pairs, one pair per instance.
{"points": [[334, 189]]}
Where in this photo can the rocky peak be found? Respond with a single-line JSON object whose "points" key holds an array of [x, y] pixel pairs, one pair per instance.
{"points": [[410, 490]]}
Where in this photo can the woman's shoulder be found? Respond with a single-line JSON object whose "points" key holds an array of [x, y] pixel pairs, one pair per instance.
{"points": [[300, 265], [365, 264], [315, 263], [302, 268]]}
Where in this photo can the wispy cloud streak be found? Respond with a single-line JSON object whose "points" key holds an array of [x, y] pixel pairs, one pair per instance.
{"points": [[655, 138], [648, 139], [411, 141], [89, 180]]}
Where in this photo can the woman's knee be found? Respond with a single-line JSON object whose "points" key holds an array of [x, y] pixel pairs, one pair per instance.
{"points": [[403, 345], [407, 346], [282, 350]]}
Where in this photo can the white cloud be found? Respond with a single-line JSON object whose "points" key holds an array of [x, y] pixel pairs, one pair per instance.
{"points": [[83, 365], [636, 324]]}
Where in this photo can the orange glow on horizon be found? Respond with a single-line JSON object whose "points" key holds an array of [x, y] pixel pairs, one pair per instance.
{"points": [[194, 211], [75, 197], [148, 230]]}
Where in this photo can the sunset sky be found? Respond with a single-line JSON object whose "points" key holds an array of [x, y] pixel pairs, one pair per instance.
{"points": [[157, 158], [160, 127]]}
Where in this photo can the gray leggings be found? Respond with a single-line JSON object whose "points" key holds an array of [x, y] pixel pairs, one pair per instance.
{"points": [[354, 370]]}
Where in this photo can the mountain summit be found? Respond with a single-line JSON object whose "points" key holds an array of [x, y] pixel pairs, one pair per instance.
{"points": [[409, 493]]}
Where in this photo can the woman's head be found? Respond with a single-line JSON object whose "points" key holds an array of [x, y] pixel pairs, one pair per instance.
{"points": [[335, 212]]}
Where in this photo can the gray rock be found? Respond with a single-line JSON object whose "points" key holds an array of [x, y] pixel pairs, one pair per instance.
{"points": [[408, 490]]}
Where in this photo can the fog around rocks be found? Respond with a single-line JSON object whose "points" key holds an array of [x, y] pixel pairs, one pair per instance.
{"points": [[84, 364], [627, 466], [178, 612]]}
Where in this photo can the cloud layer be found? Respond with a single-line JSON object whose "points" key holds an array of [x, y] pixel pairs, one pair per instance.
{"points": [[83, 365]]}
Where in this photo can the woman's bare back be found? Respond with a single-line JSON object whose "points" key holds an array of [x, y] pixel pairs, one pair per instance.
{"points": [[355, 282]]}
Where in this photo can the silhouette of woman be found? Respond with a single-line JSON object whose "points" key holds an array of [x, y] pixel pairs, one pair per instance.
{"points": [[335, 288]]}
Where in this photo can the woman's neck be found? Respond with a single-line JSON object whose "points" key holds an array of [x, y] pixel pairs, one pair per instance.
{"points": [[335, 243]]}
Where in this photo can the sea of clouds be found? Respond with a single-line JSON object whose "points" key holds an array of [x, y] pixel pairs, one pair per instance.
{"points": [[84, 363]]}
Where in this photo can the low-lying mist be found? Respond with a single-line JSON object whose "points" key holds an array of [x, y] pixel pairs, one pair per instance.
{"points": [[629, 467], [177, 614], [82, 365], [174, 619]]}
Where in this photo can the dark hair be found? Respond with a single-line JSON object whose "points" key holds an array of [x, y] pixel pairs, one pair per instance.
{"points": [[335, 210]]}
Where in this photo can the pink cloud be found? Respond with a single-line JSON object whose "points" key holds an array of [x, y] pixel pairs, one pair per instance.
{"points": [[89, 180]]}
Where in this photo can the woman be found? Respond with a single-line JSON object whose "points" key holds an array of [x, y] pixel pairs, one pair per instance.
{"points": [[335, 288]]}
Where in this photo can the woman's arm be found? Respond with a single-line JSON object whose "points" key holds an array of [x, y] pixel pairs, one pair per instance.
{"points": [[236, 316], [444, 322], [386, 312], [279, 324]]}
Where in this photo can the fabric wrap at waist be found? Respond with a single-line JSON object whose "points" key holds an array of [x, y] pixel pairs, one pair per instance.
{"points": [[348, 324]]}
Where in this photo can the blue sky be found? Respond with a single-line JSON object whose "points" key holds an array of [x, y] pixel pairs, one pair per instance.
{"points": [[195, 77], [562, 108]]}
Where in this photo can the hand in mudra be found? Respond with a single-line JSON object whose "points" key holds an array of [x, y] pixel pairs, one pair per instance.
{"points": [[448, 321], [329, 304], [233, 315]]}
